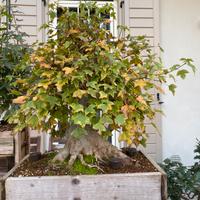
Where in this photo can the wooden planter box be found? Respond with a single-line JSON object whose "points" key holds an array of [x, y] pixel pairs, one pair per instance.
{"points": [[133, 186]]}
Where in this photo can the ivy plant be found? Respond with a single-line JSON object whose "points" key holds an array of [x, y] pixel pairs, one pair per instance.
{"points": [[85, 83]]}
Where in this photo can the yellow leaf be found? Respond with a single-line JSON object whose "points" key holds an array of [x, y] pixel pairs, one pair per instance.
{"points": [[120, 45], [44, 85], [103, 95], [68, 70], [20, 81], [35, 98], [88, 49], [120, 94], [71, 31], [141, 100], [68, 60], [126, 77], [140, 83], [59, 86], [20, 100], [107, 21], [79, 93], [103, 45], [159, 89], [48, 74]]}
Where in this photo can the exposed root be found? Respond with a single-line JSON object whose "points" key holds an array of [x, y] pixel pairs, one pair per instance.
{"points": [[80, 156], [90, 144]]}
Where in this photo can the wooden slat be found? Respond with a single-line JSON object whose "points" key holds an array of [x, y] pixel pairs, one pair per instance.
{"points": [[142, 31], [6, 134], [141, 13], [30, 30], [25, 10], [138, 186], [135, 22], [141, 3], [24, 2], [26, 20], [152, 138], [6, 150]]}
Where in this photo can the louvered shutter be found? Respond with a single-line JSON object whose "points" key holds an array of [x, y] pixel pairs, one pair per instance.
{"points": [[29, 16], [142, 17]]}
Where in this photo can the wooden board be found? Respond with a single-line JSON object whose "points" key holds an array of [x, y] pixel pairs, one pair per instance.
{"points": [[138, 186], [21, 145], [5, 176], [6, 143]]}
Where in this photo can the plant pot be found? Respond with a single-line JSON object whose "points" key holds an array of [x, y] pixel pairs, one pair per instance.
{"points": [[129, 186]]}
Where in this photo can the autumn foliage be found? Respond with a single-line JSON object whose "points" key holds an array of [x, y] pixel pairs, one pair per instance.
{"points": [[83, 76]]}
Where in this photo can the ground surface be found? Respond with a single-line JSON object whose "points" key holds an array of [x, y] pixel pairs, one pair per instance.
{"points": [[44, 167]]}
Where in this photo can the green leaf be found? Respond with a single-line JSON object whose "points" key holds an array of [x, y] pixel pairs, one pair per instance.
{"points": [[182, 73], [120, 119], [172, 88], [33, 121], [77, 107], [80, 119], [106, 120], [92, 92], [99, 126], [103, 95], [67, 44], [90, 109], [78, 132]]}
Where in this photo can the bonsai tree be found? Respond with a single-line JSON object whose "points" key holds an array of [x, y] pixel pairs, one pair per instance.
{"points": [[85, 83], [12, 49]]}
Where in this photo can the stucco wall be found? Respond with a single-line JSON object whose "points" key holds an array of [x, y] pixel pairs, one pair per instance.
{"points": [[180, 37]]}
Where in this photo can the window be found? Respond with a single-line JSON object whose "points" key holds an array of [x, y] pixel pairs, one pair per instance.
{"points": [[73, 6]]}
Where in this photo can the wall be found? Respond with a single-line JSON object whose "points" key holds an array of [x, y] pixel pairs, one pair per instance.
{"points": [[180, 37]]}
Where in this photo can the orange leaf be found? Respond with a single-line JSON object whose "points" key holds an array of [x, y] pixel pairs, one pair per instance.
{"points": [[71, 31], [20, 100], [141, 100], [45, 65]]}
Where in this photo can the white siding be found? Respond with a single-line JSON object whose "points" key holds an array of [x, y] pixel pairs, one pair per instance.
{"points": [[29, 17], [142, 17]]}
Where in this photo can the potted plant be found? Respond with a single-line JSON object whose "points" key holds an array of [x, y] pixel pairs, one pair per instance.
{"points": [[85, 83]]}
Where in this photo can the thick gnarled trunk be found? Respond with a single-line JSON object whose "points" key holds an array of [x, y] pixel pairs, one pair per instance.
{"points": [[90, 144]]}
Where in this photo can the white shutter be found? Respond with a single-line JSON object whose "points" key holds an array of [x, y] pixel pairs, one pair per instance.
{"points": [[30, 17], [142, 17]]}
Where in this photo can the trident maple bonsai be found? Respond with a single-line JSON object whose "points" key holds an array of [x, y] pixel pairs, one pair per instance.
{"points": [[85, 83]]}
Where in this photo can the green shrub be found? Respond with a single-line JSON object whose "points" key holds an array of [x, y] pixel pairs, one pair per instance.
{"points": [[183, 182], [13, 48]]}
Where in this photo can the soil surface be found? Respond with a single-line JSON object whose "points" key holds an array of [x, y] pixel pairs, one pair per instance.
{"points": [[44, 167]]}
